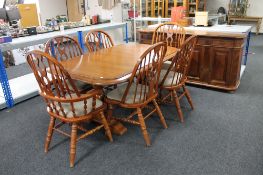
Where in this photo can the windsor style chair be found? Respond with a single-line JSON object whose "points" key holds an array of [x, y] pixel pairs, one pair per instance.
{"points": [[64, 48], [141, 89], [98, 39], [65, 105], [174, 79], [172, 34]]}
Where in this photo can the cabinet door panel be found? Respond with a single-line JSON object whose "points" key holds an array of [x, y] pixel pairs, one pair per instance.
{"points": [[200, 65], [194, 69], [219, 65]]}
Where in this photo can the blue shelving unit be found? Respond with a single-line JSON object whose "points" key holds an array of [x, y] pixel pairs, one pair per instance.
{"points": [[5, 83]]}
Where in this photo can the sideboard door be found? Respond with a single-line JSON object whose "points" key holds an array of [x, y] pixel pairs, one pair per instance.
{"points": [[220, 66], [195, 65]]}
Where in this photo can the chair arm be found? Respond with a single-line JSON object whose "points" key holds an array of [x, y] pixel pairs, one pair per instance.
{"points": [[90, 94]]}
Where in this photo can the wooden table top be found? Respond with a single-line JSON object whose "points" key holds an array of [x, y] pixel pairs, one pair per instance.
{"points": [[108, 66]]}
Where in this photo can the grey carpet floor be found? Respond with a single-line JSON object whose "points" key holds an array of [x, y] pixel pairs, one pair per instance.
{"points": [[222, 136]]}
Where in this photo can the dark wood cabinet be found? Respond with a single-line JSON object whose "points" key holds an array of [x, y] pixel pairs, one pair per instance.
{"points": [[216, 62]]}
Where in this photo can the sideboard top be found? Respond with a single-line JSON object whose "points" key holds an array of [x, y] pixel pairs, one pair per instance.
{"points": [[233, 31]]}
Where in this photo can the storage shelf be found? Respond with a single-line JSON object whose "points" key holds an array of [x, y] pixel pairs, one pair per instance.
{"points": [[165, 7]]}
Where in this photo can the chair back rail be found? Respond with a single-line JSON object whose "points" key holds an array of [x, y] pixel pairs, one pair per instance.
{"points": [[98, 39], [63, 48], [171, 33], [55, 82], [180, 64], [145, 75]]}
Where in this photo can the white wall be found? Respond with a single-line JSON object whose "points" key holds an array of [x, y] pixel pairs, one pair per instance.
{"points": [[95, 9], [213, 5], [115, 13], [51, 8], [255, 8]]}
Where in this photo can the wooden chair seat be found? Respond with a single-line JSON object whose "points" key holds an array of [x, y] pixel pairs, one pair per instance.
{"points": [[171, 79], [166, 65], [131, 98], [78, 106]]}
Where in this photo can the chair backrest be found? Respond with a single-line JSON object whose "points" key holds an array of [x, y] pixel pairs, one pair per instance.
{"points": [[98, 39], [63, 48], [180, 64], [54, 82], [145, 76], [52, 78], [171, 33]]}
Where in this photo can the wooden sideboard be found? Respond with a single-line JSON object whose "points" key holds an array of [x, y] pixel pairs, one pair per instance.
{"points": [[217, 59]]}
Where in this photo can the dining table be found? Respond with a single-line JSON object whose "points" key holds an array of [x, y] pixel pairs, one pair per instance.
{"points": [[110, 66]]}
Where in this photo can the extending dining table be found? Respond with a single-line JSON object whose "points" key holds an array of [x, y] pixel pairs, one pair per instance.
{"points": [[109, 66]]}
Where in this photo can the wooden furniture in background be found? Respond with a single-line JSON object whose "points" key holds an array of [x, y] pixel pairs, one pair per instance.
{"points": [[29, 15], [169, 4], [257, 20], [171, 33], [196, 5], [96, 40], [238, 7], [217, 58], [141, 89], [152, 8], [174, 78], [76, 10], [65, 104], [155, 8], [63, 48]]}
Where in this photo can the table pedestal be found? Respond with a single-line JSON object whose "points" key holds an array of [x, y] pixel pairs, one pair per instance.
{"points": [[117, 127]]}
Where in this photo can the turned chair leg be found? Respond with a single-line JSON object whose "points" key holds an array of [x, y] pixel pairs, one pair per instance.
{"points": [[109, 112], [178, 107], [159, 112], [160, 97], [189, 99], [73, 142], [143, 127], [49, 133], [106, 127]]}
